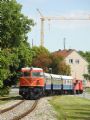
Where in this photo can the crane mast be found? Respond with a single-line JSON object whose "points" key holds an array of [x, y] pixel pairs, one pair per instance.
{"points": [[43, 18]]}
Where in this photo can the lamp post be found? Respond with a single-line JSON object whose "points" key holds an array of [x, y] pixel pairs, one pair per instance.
{"points": [[50, 70]]}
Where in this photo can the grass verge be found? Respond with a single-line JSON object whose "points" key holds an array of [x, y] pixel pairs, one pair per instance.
{"points": [[6, 99], [71, 107]]}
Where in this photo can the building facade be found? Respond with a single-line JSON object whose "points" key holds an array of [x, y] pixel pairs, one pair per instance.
{"points": [[77, 63]]}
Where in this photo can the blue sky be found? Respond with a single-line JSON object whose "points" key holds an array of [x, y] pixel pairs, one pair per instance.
{"points": [[77, 33]]}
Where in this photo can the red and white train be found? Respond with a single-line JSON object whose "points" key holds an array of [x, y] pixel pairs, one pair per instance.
{"points": [[34, 83]]}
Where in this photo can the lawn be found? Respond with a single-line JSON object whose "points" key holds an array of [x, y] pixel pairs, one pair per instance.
{"points": [[71, 107], [6, 99]]}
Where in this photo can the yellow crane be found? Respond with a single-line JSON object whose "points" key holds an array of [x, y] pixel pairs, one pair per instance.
{"points": [[43, 18]]}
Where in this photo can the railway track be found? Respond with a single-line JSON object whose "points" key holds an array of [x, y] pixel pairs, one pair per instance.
{"points": [[9, 108], [26, 112], [19, 110]]}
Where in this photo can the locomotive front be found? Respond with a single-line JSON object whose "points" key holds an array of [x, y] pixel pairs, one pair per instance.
{"points": [[31, 83]]}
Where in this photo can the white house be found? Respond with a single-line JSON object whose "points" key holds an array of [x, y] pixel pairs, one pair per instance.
{"points": [[77, 63]]}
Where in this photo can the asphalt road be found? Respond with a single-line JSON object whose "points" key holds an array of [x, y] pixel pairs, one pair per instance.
{"points": [[84, 95]]}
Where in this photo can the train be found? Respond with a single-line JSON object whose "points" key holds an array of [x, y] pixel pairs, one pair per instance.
{"points": [[35, 83]]}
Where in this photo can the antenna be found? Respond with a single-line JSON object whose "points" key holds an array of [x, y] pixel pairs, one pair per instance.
{"points": [[64, 43]]}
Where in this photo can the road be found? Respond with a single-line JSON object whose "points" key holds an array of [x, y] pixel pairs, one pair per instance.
{"points": [[84, 95]]}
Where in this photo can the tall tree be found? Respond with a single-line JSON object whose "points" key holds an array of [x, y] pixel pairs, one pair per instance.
{"points": [[13, 24], [15, 50], [24, 55]]}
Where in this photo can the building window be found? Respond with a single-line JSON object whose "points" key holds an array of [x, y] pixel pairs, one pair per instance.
{"points": [[77, 61], [70, 60]]}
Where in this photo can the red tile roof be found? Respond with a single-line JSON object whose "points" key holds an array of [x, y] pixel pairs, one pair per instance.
{"points": [[63, 53]]}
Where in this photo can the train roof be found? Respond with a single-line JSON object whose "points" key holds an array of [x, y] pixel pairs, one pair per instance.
{"points": [[55, 76], [66, 77], [30, 68], [48, 75]]}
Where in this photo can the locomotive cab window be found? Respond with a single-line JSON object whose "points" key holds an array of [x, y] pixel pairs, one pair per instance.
{"points": [[26, 74], [37, 74]]}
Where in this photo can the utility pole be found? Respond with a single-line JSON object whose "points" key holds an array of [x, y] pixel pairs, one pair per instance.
{"points": [[64, 43]]}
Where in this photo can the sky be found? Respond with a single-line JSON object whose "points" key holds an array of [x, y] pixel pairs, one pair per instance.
{"points": [[75, 32]]}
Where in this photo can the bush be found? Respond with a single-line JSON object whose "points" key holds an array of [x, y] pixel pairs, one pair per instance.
{"points": [[4, 91]]}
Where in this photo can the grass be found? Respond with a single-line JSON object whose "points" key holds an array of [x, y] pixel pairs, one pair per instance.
{"points": [[6, 99], [71, 107]]}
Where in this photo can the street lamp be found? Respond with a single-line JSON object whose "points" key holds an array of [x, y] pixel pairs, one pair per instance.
{"points": [[50, 70]]}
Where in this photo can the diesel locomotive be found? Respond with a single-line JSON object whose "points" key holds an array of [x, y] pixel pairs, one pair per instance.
{"points": [[34, 83]]}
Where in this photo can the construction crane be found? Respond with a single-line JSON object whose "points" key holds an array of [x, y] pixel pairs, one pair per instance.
{"points": [[43, 18]]}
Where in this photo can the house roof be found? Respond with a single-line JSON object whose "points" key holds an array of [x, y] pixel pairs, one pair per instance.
{"points": [[63, 53]]}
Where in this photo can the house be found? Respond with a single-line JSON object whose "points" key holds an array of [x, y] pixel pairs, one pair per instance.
{"points": [[77, 63]]}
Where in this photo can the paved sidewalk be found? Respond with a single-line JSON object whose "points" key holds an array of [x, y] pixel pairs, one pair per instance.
{"points": [[84, 95]]}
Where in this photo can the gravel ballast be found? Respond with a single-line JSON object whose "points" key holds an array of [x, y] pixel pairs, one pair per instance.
{"points": [[43, 111]]}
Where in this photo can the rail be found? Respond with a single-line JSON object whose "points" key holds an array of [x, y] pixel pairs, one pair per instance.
{"points": [[9, 108], [26, 112]]}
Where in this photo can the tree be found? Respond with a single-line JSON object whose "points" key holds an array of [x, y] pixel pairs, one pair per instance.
{"points": [[9, 64], [15, 50], [59, 66], [13, 24], [86, 55], [8, 59], [24, 55], [41, 57]]}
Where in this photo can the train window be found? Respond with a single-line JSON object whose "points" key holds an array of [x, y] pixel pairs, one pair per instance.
{"points": [[20, 74], [68, 81], [26, 74], [64, 81], [37, 74]]}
